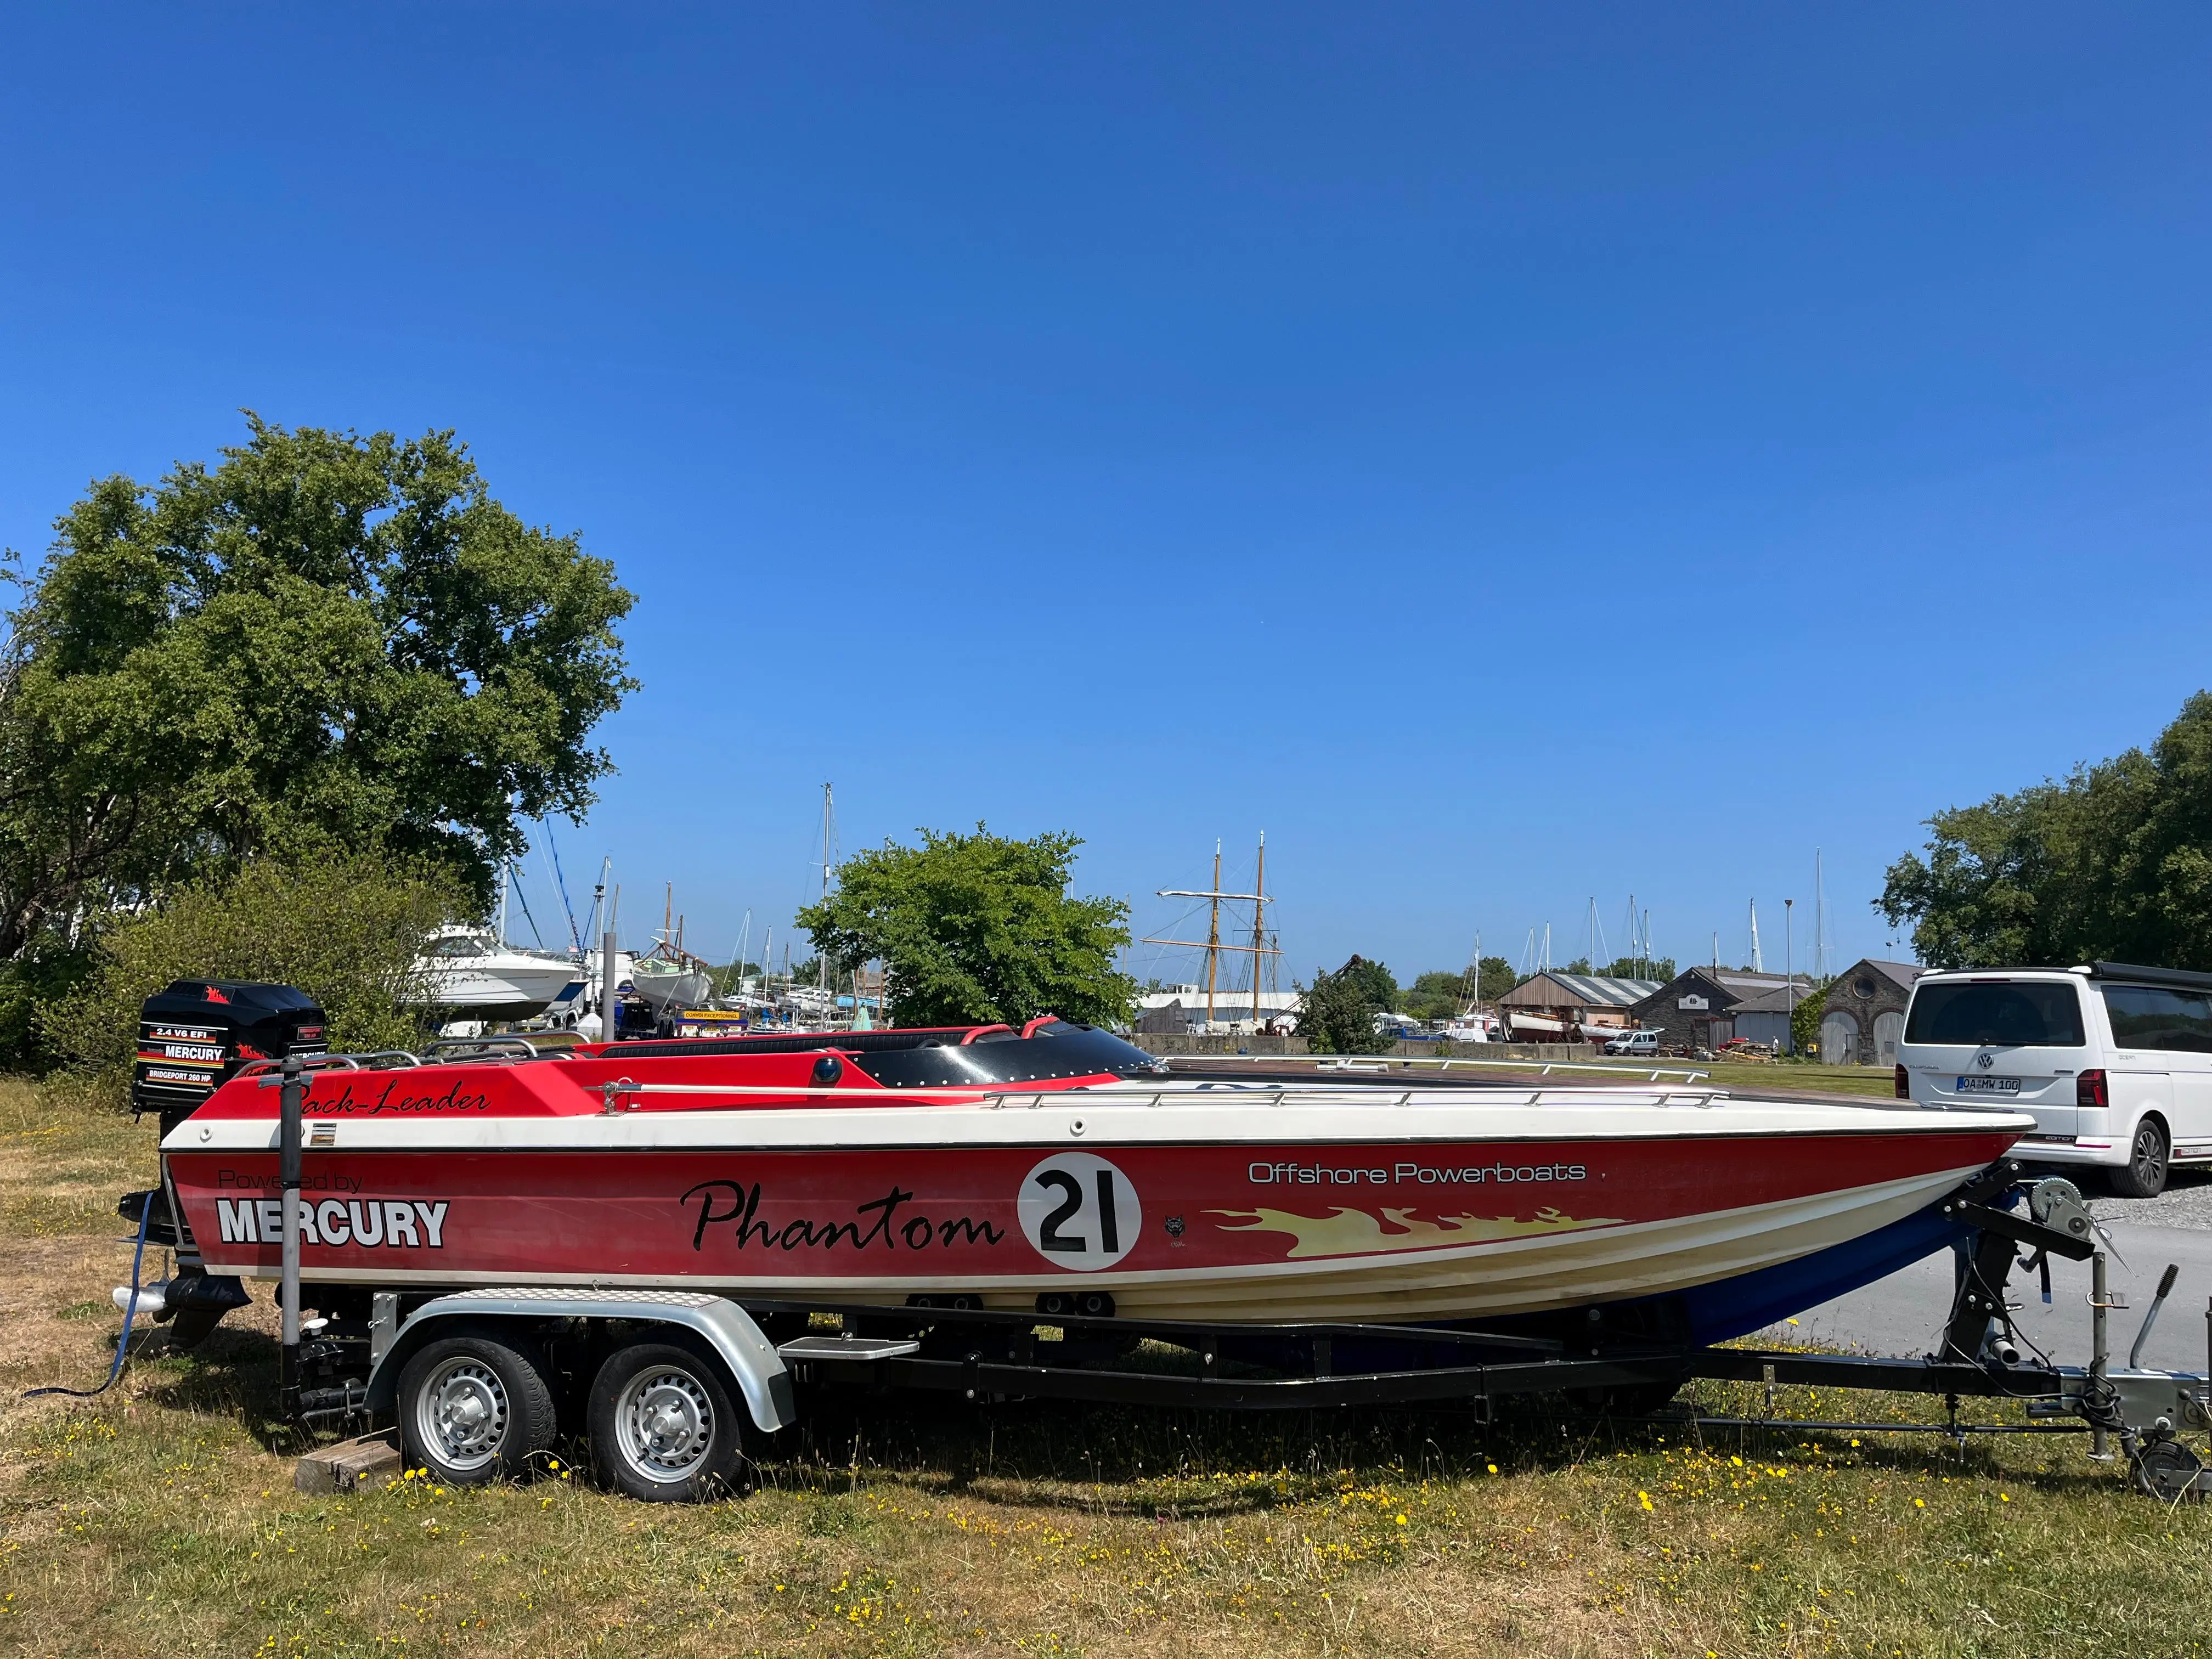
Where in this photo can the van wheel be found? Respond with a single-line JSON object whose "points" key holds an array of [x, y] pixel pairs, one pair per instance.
{"points": [[473, 1409], [2143, 1176], [665, 1427]]}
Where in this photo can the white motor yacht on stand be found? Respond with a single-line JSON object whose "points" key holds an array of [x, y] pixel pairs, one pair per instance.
{"points": [[469, 973]]}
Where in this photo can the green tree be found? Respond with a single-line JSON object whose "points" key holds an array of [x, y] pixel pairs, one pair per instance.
{"points": [[1659, 968], [977, 928], [1435, 995], [2112, 862], [1494, 977], [1337, 1011], [347, 928], [323, 639], [1805, 1023]]}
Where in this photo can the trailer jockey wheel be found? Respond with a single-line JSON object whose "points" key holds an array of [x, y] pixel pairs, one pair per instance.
{"points": [[666, 1427], [473, 1409], [2168, 1470]]}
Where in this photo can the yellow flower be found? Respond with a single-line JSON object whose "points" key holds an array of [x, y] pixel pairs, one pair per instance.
{"points": [[1644, 1497]]}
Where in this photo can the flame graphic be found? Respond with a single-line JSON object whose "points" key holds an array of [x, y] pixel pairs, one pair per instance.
{"points": [[1358, 1232]]}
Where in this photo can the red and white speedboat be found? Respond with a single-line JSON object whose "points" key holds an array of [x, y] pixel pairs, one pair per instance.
{"points": [[869, 1167]]}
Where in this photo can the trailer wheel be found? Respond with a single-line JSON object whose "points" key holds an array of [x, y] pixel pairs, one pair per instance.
{"points": [[2167, 1471], [473, 1409], [666, 1427]]}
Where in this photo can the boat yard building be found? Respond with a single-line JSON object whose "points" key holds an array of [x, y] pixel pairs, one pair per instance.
{"points": [[1588, 1001], [1864, 1014], [1179, 1010], [1705, 1008]]}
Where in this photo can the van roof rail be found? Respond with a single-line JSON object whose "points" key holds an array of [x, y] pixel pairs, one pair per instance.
{"points": [[2180, 978]]}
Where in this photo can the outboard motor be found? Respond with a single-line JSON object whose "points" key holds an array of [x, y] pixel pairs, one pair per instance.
{"points": [[193, 1039]]}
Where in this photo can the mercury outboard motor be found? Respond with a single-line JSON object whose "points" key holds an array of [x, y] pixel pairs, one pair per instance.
{"points": [[193, 1039]]}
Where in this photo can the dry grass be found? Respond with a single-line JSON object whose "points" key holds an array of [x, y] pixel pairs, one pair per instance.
{"points": [[159, 1519]]}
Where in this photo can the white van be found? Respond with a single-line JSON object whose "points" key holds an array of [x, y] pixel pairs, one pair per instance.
{"points": [[1634, 1042], [2113, 1061]]}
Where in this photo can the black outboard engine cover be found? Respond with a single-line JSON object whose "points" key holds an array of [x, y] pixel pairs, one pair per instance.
{"points": [[194, 1037]]}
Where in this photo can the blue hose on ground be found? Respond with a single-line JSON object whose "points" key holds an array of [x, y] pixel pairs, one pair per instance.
{"points": [[123, 1344]]}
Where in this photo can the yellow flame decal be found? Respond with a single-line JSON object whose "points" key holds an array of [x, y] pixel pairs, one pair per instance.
{"points": [[1357, 1232]]}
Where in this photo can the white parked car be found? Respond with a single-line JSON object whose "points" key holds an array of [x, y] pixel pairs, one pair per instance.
{"points": [[2113, 1061], [1634, 1042]]}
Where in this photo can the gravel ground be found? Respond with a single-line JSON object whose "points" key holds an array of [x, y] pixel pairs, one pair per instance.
{"points": [[2186, 1202]]}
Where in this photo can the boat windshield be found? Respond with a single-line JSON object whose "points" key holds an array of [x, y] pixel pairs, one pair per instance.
{"points": [[1060, 1049]]}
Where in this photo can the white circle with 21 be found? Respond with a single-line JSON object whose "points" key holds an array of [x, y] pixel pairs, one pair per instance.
{"points": [[1080, 1212]]}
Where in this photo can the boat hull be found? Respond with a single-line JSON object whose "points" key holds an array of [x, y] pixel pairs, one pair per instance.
{"points": [[1406, 1228]]}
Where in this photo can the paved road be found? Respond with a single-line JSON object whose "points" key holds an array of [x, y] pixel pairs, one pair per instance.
{"points": [[1904, 1314]]}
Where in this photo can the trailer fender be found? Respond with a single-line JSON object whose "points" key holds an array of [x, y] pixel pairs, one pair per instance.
{"points": [[759, 1371]]}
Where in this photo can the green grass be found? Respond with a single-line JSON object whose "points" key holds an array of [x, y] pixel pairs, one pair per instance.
{"points": [[160, 1520]]}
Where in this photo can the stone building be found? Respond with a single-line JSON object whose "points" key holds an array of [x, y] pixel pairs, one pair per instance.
{"points": [[1705, 1008], [1864, 1015]]}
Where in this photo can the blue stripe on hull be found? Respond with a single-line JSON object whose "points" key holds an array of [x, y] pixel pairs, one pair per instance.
{"points": [[1736, 1306]]}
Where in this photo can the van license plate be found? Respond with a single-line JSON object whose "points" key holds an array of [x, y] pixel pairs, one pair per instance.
{"points": [[1989, 1085]]}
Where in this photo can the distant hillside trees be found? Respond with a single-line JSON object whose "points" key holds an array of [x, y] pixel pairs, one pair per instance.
{"points": [[2112, 862], [975, 929]]}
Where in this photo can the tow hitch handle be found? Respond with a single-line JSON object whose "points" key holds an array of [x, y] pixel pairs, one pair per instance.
{"points": [[2165, 1290]]}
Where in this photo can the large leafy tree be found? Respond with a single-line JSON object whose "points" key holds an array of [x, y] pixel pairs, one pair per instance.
{"points": [[2114, 862], [1338, 1011], [977, 928], [324, 639]]}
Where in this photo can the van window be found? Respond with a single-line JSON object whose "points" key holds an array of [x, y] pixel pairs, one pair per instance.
{"points": [[2012, 1013], [2145, 1016]]}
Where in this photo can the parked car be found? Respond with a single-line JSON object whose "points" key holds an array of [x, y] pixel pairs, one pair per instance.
{"points": [[1634, 1042], [2112, 1062]]}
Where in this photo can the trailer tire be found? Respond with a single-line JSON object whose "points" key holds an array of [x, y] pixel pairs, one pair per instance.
{"points": [[473, 1409], [667, 1426]]}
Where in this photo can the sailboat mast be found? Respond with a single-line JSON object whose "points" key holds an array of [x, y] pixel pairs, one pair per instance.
{"points": [[1213, 935], [1259, 924], [1819, 920], [822, 958]]}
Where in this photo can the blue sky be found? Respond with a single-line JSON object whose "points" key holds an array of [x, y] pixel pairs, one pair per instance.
{"points": [[1509, 455]]}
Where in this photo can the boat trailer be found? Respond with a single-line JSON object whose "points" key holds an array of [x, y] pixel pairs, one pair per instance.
{"points": [[1075, 1348], [482, 1381]]}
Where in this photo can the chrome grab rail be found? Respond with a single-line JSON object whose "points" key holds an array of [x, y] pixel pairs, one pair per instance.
{"points": [[265, 1071]]}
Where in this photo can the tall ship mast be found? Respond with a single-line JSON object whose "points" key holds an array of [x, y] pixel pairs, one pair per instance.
{"points": [[1262, 950]]}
